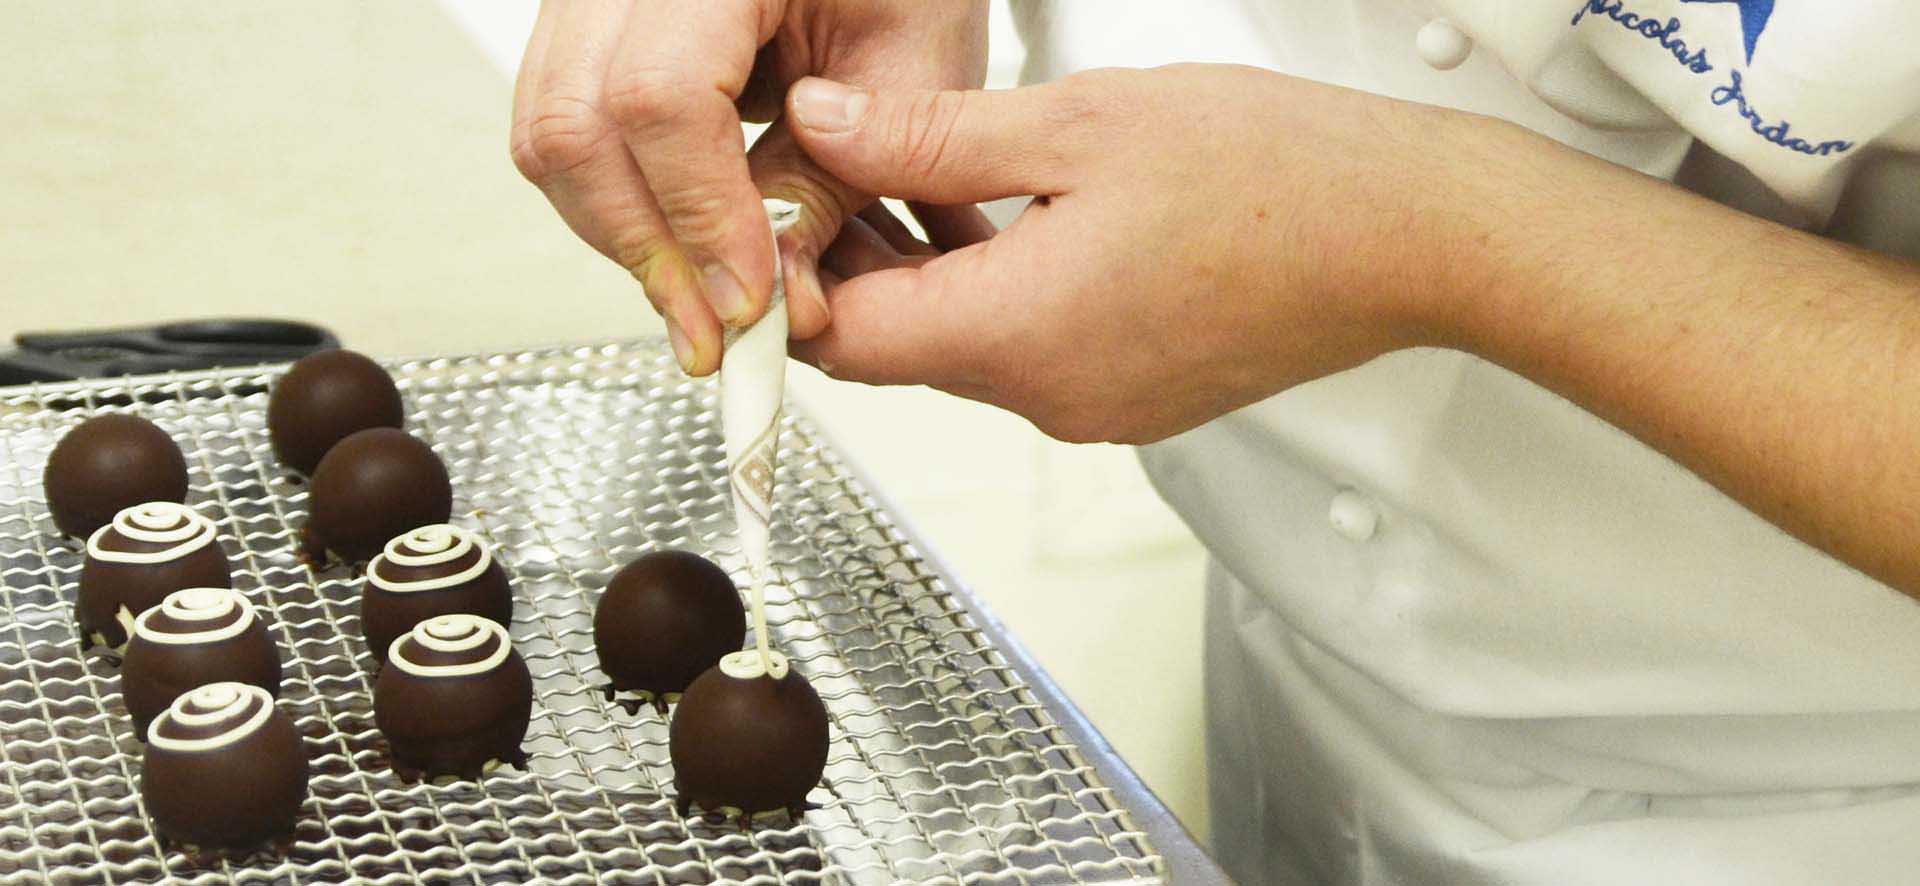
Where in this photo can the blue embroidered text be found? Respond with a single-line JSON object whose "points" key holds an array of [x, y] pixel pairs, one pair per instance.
{"points": [[1732, 93], [1753, 19], [1695, 61]]}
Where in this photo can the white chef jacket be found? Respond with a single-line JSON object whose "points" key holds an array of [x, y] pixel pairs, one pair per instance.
{"points": [[1459, 629]]}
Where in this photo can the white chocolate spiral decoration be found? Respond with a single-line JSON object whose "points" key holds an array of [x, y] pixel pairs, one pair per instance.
{"points": [[458, 632], [208, 605], [215, 704], [182, 528], [748, 664], [430, 546]]}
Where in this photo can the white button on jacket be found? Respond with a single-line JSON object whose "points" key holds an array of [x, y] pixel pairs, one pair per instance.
{"points": [[1352, 515], [1442, 45]]}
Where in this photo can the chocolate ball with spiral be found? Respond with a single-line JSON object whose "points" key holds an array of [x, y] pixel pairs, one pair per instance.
{"points": [[133, 563], [433, 570], [748, 739], [195, 637], [108, 463], [324, 397], [372, 486], [224, 770], [454, 699], [665, 619]]}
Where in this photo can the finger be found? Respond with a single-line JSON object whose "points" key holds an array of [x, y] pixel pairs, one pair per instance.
{"points": [[953, 227], [782, 170], [937, 324], [671, 90], [765, 92], [894, 231], [899, 334], [532, 65], [605, 203], [567, 146], [940, 146], [860, 250]]}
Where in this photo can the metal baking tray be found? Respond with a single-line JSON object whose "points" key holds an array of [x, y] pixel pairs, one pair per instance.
{"points": [[945, 765]]}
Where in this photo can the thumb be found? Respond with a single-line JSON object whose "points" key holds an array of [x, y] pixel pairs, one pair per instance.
{"points": [[948, 146]]}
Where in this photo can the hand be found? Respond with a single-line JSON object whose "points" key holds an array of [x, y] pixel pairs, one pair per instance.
{"points": [[1203, 237], [627, 116]]}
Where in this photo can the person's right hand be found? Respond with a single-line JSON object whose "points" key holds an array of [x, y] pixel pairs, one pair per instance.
{"points": [[627, 116]]}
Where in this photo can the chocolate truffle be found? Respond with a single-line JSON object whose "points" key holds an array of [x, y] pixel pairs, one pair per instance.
{"points": [[433, 570], [225, 770], [746, 740], [133, 563], [324, 397], [370, 487], [454, 699], [108, 463], [664, 620], [195, 637]]}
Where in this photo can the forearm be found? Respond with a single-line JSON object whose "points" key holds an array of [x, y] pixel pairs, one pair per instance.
{"points": [[1781, 367]]}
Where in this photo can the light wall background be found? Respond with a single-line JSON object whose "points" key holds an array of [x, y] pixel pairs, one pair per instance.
{"points": [[346, 163]]}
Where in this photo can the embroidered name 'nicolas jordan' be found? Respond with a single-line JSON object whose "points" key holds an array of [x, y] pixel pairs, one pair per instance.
{"points": [[1754, 15]]}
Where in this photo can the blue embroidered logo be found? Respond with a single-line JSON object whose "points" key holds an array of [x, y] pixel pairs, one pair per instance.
{"points": [[1753, 19], [1753, 22]]}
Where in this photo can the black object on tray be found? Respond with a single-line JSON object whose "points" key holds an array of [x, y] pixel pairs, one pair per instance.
{"points": [[162, 347]]}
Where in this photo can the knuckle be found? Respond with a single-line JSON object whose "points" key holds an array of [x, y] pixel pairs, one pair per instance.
{"points": [[923, 129], [828, 202], [698, 213], [1086, 99], [645, 97], [561, 135], [644, 256]]}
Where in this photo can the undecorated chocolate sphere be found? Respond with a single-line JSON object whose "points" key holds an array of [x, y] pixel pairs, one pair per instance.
{"points": [[664, 620], [324, 397], [434, 570], [372, 486], [108, 463], [748, 741], [195, 637], [454, 699], [133, 563], [224, 769]]}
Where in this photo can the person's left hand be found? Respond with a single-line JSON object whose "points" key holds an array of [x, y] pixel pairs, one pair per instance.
{"points": [[1206, 236]]}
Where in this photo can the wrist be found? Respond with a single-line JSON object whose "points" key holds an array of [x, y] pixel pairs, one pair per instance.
{"points": [[1422, 247], [1507, 209]]}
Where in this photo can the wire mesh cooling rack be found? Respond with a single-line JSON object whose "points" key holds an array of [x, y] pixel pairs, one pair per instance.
{"points": [[944, 767]]}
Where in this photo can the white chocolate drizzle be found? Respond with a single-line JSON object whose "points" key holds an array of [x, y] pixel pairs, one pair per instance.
{"points": [[748, 664], [125, 617], [197, 605], [429, 546], [458, 632], [156, 522], [214, 704]]}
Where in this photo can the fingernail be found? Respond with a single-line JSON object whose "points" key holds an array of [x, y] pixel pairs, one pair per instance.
{"points": [[682, 348], [826, 106], [724, 292]]}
